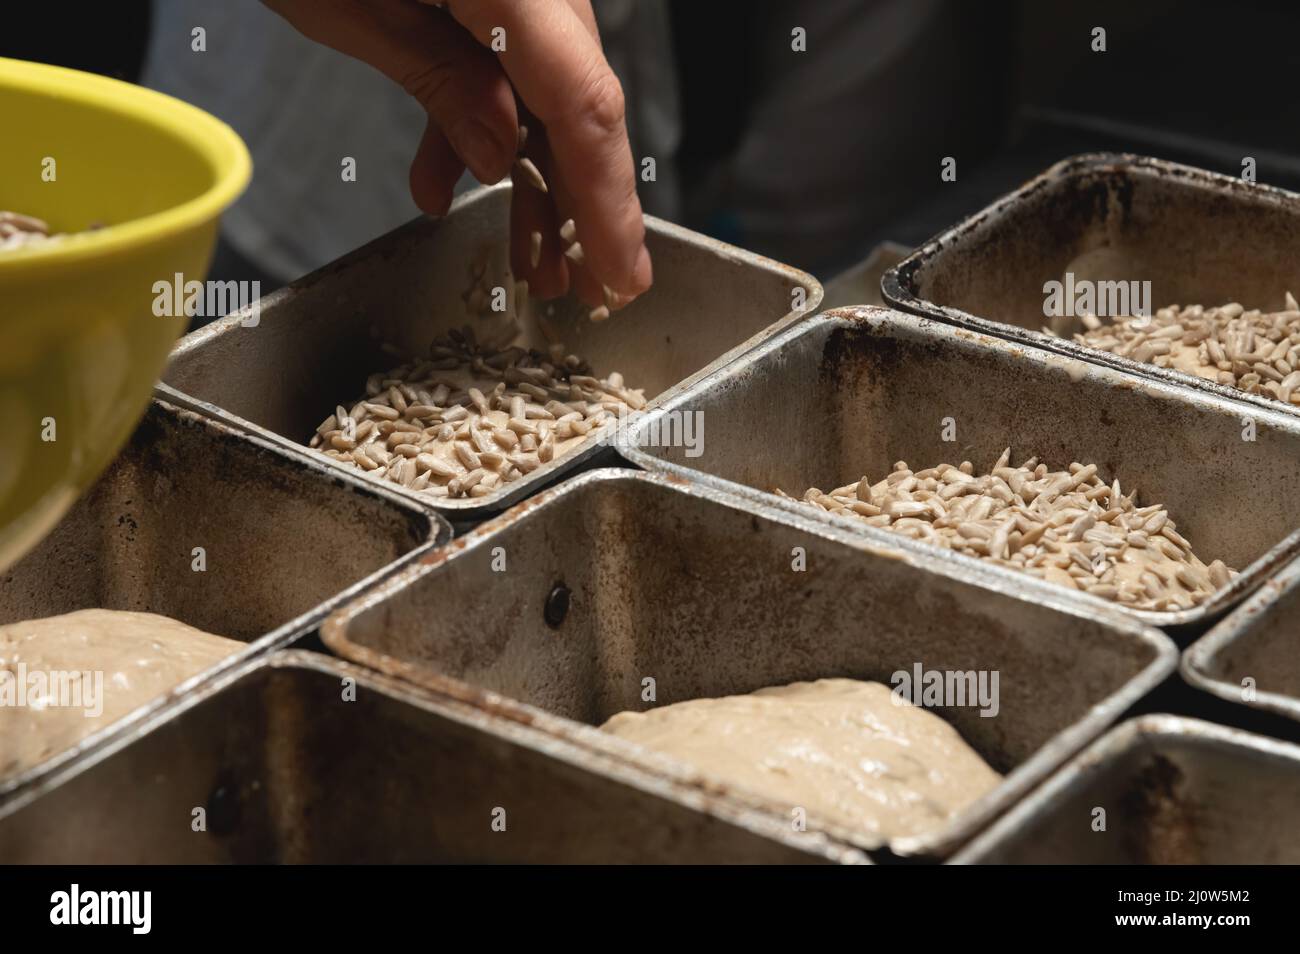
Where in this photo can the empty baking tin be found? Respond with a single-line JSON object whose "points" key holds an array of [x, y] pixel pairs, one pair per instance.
{"points": [[1158, 790], [1252, 656]]}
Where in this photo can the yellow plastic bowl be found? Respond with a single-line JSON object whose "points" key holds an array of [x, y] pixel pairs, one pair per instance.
{"points": [[80, 343]]}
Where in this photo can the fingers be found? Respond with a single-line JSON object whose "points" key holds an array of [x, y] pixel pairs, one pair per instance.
{"points": [[553, 55], [457, 81], [435, 170], [461, 87], [532, 211], [543, 213], [582, 10], [582, 281], [560, 74]]}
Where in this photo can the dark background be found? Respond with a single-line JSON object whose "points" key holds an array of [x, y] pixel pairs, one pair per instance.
{"points": [[1200, 82]]}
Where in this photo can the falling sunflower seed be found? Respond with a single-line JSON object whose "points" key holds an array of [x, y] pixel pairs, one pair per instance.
{"points": [[531, 173]]}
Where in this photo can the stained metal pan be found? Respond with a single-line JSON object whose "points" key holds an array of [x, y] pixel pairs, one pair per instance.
{"points": [[1252, 657], [285, 540], [554, 614], [316, 341], [1174, 791], [853, 390], [1196, 236], [287, 769]]}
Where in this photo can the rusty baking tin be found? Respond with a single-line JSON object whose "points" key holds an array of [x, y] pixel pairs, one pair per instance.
{"points": [[1198, 237], [553, 614], [289, 768], [285, 539], [1174, 791], [316, 341], [1259, 641], [851, 391]]}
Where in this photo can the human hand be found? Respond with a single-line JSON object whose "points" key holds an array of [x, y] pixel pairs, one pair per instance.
{"points": [[572, 106]]}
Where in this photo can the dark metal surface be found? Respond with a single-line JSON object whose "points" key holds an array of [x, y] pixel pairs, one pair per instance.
{"points": [[853, 390], [1252, 657], [285, 540], [698, 592], [287, 769], [1174, 791], [1196, 236], [317, 340]]}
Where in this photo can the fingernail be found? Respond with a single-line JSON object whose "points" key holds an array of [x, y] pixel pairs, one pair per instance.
{"points": [[481, 152], [642, 271], [637, 282]]}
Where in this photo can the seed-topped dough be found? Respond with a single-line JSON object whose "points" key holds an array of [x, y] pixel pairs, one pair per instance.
{"points": [[1253, 351], [1066, 526], [470, 418]]}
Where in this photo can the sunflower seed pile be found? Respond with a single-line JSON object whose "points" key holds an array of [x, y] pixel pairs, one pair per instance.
{"points": [[17, 229], [1253, 351], [470, 417], [1066, 526]]}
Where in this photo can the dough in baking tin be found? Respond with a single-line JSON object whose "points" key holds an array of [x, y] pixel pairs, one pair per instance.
{"points": [[845, 751], [82, 671]]}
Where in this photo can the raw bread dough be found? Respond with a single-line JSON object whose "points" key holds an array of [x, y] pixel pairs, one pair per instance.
{"points": [[141, 656], [839, 748]]}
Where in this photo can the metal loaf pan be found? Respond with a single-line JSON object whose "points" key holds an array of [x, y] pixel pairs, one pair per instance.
{"points": [[1198, 237], [553, 614], [853, 390], [287, 770], [1175, 791], [285, 541], [1260, 640], [318, 339]]}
